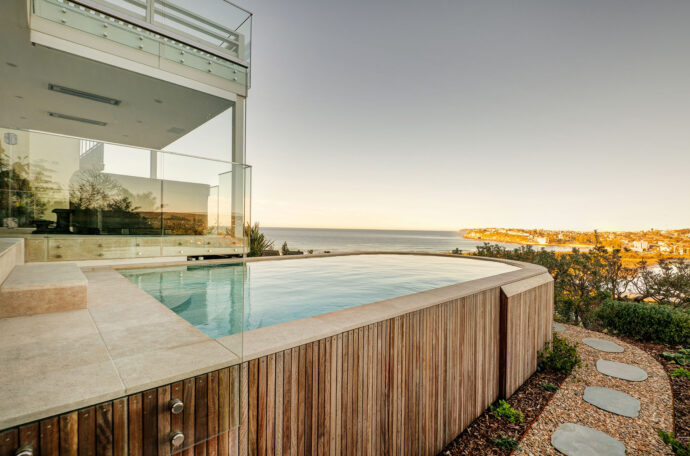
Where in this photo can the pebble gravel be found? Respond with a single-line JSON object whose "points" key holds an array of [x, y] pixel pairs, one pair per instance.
{"points": [[567, 406]]}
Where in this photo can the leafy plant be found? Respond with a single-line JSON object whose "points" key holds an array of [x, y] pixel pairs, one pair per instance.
{"points": [[680, 372], [506, 411], [285, 250], [649, 322], [681, 357], [550, 387], [506, 443], [678, 448], [257, 240], [559, 355]]}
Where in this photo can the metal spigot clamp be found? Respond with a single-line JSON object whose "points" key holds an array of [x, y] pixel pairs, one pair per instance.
{"points": [[176, 406]]}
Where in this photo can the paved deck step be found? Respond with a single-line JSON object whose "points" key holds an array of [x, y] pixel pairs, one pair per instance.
{"points": [[42, 288], [576, 440], [612, 401], [621, 370], [603, 345]]}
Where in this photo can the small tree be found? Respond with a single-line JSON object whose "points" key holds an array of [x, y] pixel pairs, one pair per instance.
{"points": [[285, 250], [669, 284]]}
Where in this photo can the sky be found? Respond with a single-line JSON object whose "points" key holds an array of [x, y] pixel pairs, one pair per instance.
{"points": [[455, 114]]}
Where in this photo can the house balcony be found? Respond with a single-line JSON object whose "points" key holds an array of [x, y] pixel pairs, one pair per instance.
{"points": [[73, 199]]}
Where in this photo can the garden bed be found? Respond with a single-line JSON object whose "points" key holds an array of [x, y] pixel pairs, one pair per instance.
{"points": [[680, 388], [480, 435]]}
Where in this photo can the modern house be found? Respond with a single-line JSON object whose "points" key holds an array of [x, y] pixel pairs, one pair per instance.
{"points": [[122, 157], [122, 128]]}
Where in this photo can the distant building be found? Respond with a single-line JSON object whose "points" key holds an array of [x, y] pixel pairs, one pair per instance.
{"points": [[640, 246]]}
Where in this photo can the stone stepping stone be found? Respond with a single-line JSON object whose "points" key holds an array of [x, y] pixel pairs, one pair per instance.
{"points": [[558, 328], [603, 345], [576, 440], [612, 401], [621, 370]]}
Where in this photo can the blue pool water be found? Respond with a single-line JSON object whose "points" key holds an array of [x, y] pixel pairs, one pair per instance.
{"points": [[229, 298]]}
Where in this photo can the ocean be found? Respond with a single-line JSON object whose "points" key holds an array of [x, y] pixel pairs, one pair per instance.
{"points": [[351, 240]]}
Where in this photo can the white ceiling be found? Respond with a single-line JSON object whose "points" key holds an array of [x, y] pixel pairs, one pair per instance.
{"points": [[153, 113]]}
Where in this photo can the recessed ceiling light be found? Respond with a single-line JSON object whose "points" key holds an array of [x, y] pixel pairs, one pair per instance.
{"points": [[157, 100], [77, 119], [18, 96], [82, 94], [13, 65]]}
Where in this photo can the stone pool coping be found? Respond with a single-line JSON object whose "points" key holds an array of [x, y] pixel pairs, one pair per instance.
{"points": [[126, 341]]}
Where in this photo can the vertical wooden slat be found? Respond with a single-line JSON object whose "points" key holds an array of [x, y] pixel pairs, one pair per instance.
{"points": [[50, 437], [246, 409], [120, 441], [294, 406], [69, 437], [29, 436], [189, 415], [164, 420], [332, 379], [104, 429], [340, 378], [314, 396], [344, 399], [135, 425], [321, 399], [363, 390], [280, 387], [86, 432], [200, 415], [224, 412], [287, 402], [270, 403], [177, 423], [149, 414], [212, 414], [302, 400], [9, 441], [236, 404], [261, 408]]}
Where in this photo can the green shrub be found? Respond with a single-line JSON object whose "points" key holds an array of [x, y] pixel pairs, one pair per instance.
{"points": [[506, 411], [678, 448], [680, 372], [506, 443], [648, 322], [559, 355], [550, 387], [681, 357], [257, 241]]}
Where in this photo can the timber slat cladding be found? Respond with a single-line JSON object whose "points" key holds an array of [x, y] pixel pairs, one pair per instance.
{"points": [[406, 385], [401, 386], [526, 325]]}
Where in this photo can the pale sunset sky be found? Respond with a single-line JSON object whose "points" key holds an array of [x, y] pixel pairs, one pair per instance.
{"points": [[453, 114]]}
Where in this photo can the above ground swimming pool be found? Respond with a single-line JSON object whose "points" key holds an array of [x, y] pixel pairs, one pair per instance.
{"points": [[224, 299]]}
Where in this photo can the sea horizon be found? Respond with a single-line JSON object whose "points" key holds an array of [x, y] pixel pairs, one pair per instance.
{"points": [[362, 239]]}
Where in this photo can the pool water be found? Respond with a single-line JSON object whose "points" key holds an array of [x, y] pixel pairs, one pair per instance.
{"points": [[224, 299]]}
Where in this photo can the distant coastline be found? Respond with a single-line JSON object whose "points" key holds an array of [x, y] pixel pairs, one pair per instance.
{"points": [[533, 244]]}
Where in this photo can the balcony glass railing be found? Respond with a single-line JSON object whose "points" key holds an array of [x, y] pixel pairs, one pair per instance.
{"points": [[74, 199], [217, 26]]}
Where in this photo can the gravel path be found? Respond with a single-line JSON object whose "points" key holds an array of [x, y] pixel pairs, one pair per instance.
{"points": [[638, 434]]}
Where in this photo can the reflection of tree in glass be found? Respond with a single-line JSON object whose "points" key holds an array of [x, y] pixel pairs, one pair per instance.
{"points": [[94, 190], [102, 205], [22, 186]]}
